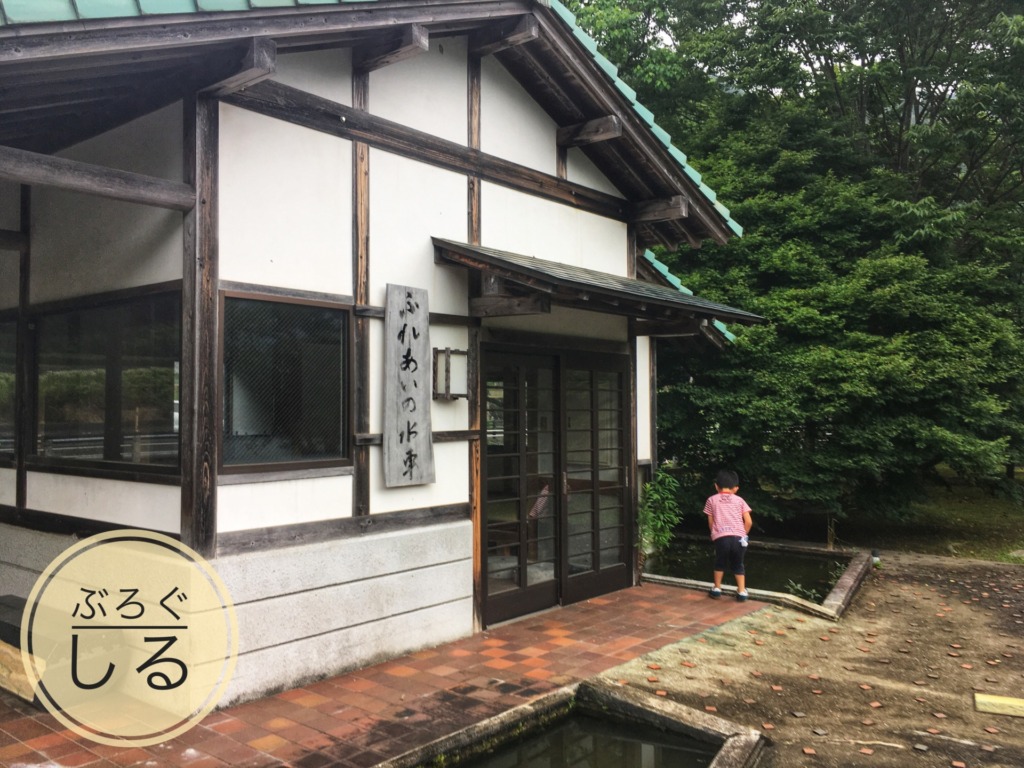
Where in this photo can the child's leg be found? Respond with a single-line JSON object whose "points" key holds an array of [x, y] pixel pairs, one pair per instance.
{"points": [[721, 561], [738, 569]]}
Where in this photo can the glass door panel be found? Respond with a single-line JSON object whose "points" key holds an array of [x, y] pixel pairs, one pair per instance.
{"points": [[521, 498], [556, 500], [596, 460]]}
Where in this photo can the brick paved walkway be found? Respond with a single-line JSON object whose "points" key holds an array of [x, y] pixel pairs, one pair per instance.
{"points": [[372, 714]]}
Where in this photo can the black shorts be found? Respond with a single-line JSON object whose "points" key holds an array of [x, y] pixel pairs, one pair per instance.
{"points": [[729, 555]]}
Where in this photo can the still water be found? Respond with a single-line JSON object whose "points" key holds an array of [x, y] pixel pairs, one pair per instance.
{"points": [[808, 576], [582, 741]]}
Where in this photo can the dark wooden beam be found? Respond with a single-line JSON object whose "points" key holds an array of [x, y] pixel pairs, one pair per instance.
{"points": [[473, 186], [712, 334], [503, 36], [46, 170], [590, 132], [689, 326], [258, 63], [414, 40], [675, 207], [27, 104], [504, 306], [200, 425], [12, 240], [295, 106]]}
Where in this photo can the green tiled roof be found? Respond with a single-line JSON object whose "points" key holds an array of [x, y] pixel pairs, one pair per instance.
{"points": [[674, 281], [31, 11]]}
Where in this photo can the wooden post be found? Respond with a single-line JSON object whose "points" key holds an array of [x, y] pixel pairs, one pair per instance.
{"points": [[24, 429], [200, 332], [361, 272], [473, 361]]}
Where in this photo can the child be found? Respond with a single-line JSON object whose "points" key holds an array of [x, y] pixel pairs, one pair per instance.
{"points": [[729, 521]]}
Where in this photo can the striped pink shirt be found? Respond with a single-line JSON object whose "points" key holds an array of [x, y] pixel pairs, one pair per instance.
{"points": [[726, 511]]}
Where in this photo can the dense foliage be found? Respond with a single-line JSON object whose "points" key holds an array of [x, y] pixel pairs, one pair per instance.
{"points": [[874, 154]]}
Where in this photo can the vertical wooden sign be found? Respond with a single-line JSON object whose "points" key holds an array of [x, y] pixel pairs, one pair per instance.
{"points": [[408, 443]]}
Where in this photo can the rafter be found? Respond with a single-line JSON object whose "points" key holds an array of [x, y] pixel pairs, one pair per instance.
{"points": [[504, 36], [669, 209], [258, 63], [414, 40], [590, 132]]}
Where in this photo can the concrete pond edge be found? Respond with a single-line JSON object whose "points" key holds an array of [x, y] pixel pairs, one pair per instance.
{"points": [[739, 746], [831, 608]]}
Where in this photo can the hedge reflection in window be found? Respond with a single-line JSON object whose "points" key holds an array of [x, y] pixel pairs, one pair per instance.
{"points": [[107, 384], [8, 337], [283, 371]]}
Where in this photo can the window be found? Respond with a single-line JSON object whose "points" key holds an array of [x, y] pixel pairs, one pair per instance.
{"points": [[107, 382], [8, 338], [283, 393]]}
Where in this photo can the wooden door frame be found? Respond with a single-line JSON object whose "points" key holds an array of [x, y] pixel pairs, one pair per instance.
{"points": [[618, 360]]}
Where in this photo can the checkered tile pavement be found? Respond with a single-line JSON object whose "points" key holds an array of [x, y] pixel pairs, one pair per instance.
{"points": [[369, 715]]}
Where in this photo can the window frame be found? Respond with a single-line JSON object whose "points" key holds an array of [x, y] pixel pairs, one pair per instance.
{"points": [[167, 474], [304, 467], [9, 459]]}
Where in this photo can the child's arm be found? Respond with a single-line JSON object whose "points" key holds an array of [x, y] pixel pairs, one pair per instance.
{"points": [[748, 523]]}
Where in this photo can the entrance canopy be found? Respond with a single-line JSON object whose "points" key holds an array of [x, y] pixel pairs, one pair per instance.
{"points": [[526, 285]]}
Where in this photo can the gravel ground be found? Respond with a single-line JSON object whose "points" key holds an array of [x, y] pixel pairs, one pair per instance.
{"points": [[892, 683]]}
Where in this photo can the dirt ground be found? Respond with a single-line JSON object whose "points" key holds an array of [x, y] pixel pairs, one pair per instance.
{"points": [[891, 684]]}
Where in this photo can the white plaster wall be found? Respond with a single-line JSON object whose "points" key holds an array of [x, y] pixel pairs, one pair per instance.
{"points": [[24, 554], [426, 92], [580, 170], [409, 203], [137, 505], [644, 389], [285, 204], [450, 486], [83, 244], [565, 321], [528, 225], [512, 125], [7, 486], [444, 415], [321, 609], [283, 502], [324, 73]]}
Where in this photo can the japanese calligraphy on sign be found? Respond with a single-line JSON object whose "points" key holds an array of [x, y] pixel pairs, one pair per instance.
{"points": [[408, 440], [129, 621]]}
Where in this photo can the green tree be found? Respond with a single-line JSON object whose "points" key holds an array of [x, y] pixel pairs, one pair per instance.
{"points": [[874, 153]]}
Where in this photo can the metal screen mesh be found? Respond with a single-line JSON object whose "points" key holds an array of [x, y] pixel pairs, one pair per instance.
{"points": [[283, 371], [8, 339]]}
